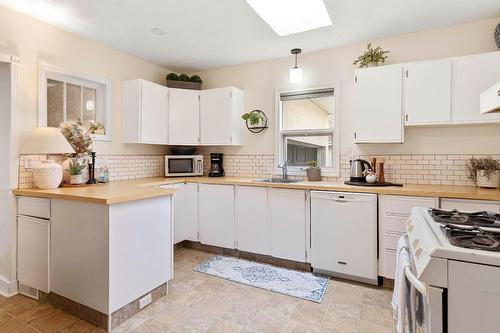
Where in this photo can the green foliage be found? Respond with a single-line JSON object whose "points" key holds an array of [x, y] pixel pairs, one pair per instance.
{"points": [[172, 77], [254, 117], [78, 136], [313, 164], [184, 77], [195, 78], [75, 167], [487, 164], [376, 55]]}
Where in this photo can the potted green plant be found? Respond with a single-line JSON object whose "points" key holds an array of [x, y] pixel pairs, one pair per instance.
{"points": [[313, 171], [371, 57], [80, 138], [184, 81], [76, 172], [484, 172], [255, 118]]}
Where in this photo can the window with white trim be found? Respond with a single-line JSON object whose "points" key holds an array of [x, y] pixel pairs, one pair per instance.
{"points": [[307, 130]]}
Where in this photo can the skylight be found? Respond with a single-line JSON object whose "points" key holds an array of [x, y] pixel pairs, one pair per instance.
{"points": [[288, 17]]}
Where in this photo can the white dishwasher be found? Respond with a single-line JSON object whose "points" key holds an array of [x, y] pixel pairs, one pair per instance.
{"points": [[344, 235]]}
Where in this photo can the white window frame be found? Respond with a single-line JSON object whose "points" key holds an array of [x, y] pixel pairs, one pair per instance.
{"points": [[333, 171], [103, 95]]}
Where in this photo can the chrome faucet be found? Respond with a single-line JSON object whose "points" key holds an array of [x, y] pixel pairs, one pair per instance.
{"points": [[284, 168]]}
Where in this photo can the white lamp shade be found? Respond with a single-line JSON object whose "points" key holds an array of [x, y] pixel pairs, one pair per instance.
{"points": [[47, 140], [295, 75]]}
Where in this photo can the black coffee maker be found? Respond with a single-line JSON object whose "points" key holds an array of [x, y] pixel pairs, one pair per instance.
{"points": [[216, 168]]}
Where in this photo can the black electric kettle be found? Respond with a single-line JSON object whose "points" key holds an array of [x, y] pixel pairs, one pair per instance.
{"points": [[357, 168]]}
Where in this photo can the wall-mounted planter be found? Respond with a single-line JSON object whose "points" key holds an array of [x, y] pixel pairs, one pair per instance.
{"points": [[184, 84]]}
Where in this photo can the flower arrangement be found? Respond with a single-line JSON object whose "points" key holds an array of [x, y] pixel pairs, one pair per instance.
{"points": [[372, 56], [78, 136], [183, 77]]}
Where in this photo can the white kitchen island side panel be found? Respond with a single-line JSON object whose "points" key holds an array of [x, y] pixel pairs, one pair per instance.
{"points": [[140, 248], [79, 252]]}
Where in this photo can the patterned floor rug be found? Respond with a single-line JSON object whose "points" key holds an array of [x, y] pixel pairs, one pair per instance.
{"points": [[303, 285]]}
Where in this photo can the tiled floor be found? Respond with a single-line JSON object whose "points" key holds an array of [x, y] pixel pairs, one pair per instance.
{"points": [[200, 303]]}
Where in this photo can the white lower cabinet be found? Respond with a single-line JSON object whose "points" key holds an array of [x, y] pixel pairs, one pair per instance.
{"points": [[190, 212], [185, 212], [252, 223], [216, 211], [287, 214], [33, 252], [393, 213]]}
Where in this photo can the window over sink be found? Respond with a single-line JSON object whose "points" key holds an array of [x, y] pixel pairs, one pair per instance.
{"points": [[308, 130]]}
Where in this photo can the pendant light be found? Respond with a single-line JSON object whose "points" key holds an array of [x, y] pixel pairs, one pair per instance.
{"points": [[295, 75]]}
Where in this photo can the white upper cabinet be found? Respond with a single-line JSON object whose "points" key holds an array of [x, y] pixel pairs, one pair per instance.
{"points": [[145, 112], [220, 116], [471, 76], [379, 116], [184, 116], [216, 215], [253, 228], [427, 92], [287, 213]]}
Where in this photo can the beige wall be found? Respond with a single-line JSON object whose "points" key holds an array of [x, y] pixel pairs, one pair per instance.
{"points": [[34, 41], [323, 68]]}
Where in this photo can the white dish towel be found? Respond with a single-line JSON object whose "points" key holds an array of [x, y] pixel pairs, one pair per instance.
{"points": [[401, 292]]}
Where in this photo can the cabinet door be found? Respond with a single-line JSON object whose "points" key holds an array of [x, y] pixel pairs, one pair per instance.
{"points": [[190, 211], [216, 115], [154, 113], [178, 213], [471, 76], [427, 92], [33, 250], [379, 116], [217, 215], [252, 224], [287, 212], [184, 116]]}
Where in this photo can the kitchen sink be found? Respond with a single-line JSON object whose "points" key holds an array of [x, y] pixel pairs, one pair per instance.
{"points": [[278, 180]]}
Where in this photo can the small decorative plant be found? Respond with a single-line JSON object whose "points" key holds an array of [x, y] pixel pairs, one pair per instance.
{"points": [[96, 127], [75, 168], [313, 164], [484, 171], [313, 171], [372, 56], [254, 117], [184, 78]]}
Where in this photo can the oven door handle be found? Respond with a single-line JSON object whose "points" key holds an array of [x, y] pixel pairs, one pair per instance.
{"points": [[415, 282]]}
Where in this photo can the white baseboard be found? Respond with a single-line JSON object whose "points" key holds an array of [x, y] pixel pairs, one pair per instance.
{"points": [[8, 288]]}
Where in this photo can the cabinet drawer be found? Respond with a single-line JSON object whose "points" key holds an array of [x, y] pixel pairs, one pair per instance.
{"points": [[402, 206], [395, 224], [36, 207], [470, 205], [389, 264], [391, 240]]}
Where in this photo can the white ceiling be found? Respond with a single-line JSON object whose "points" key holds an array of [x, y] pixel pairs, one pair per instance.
{"points": [[202, 34]]}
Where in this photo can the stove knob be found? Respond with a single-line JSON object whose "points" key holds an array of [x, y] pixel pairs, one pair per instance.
{"points": [[416, 242], [418, 253], [409, 228]]}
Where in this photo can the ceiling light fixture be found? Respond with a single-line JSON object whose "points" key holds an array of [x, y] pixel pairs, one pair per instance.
{"points": [[295, 75], [157, 31], [288, 17]]}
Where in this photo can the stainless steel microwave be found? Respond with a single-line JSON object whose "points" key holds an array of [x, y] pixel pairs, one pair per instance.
{"points": [[183, 165]]}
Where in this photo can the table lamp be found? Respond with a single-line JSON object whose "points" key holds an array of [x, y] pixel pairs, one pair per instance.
{"points": [[46, 141]]}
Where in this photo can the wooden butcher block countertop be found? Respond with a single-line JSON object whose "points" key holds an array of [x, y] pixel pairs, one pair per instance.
{"points": [[129, 190]]}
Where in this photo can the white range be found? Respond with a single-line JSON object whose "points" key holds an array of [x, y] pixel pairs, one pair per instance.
{"points": [[461, 285]]}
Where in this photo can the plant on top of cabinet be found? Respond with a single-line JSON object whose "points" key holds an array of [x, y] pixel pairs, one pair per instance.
{"points": [[184, 81], [255, 120], [371, 57], [313, 171], [484, 171]]}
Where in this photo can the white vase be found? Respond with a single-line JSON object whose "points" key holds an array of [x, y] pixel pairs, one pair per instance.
{"points": [[76, 179], [47, 175], [492, 182], [66, 175]]}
